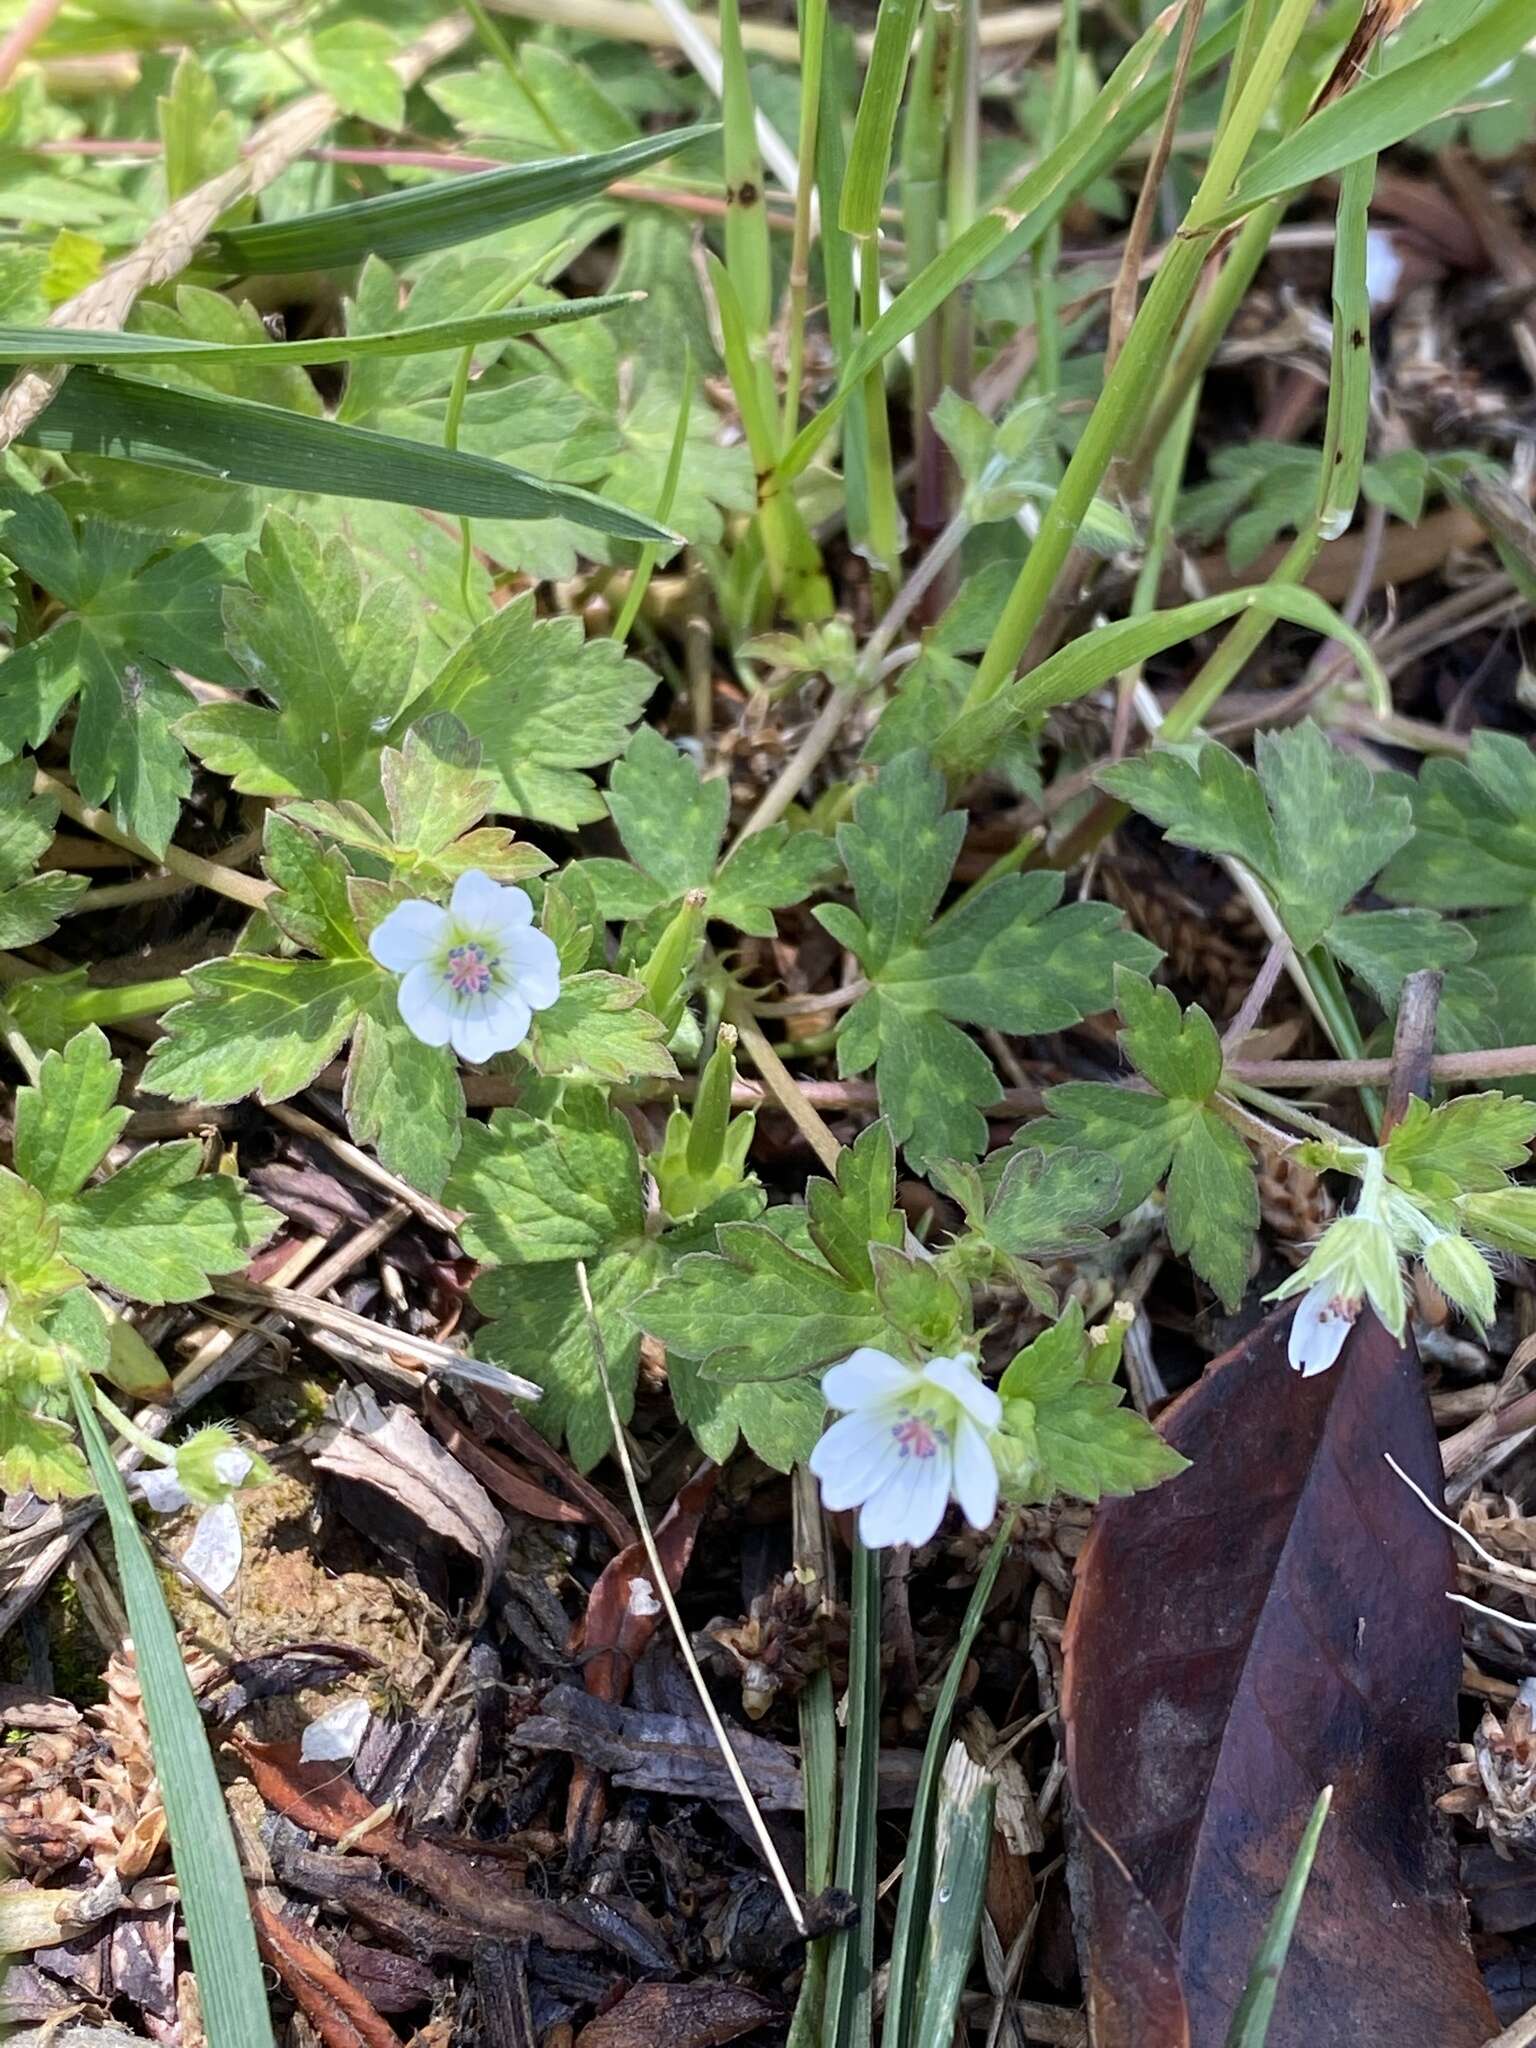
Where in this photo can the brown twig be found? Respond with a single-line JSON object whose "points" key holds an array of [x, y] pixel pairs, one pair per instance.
{"points": [[1413, 1044]]}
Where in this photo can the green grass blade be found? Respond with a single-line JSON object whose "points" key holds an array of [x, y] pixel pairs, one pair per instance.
{"points": [[746, 217], [427, 217], [229, 1979], [874, 129], [650, 553], [916, 1882], [234, 439], [971, 740], [818, 1764], [1250, 2023], [848, 2010], [962, 1853], [838, 88], [1127, 104], [84, 345], [1349, 384], [1388, 109]]}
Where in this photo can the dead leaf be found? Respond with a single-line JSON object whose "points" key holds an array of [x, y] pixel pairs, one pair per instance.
{"points": [[337, 2010], [520, 1433], [621, 1618], [498, 1475], [407, 1490], [678, 2016], [1272, 1621], [323, 1801]]}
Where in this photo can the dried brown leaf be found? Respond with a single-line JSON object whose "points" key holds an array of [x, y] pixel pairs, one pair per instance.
{"points": [[1272, 1621]]}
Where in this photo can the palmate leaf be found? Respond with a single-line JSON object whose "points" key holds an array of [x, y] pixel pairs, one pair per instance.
{"points": [[1167, 1133], [30, 904], [133, 610], [672, 823], [437, 216], [156, 1228], [98, 414], [1004, 957]]}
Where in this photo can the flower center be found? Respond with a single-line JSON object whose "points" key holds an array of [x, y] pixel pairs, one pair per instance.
{"points": [[917, 1433], [470, 969]]}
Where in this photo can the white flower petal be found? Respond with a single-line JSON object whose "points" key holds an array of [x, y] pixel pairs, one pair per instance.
{"points": [[425, 1005], [854, 1458], [231, 1466], [909, 1506], [865, 1376], [975, 1475], [163, 1491], [531, 963], [337, 1736], [1319, 1328], [513, 913], [959, 1377], [215, 1551], [490, 1024], [412, 932], [476, 901]]}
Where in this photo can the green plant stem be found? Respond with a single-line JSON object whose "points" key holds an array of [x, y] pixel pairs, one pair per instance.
{"points": [[883, 539], [1287, 1112], [1046, 257], [958, 314], [250, 890], [129, 1430], [813, 40], [502, 51], [110, 1005], [650, 553], [1125, 397], [916, 1881], [850, 1967], [818, 1756], [922, 173]]}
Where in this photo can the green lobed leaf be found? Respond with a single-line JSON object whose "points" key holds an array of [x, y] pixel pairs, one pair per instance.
{"points": [[600, 1030], [67, 1120], [1474, 830], [1466, 1146], [1048, 1203], [544, 703], [160, 1226], [332, 659], [30, 904], [536, 1187], [1005, 956]]}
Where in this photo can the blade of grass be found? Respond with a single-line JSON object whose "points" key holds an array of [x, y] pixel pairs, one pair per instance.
{"points": [[1092, 660], [650, 553], [818, 1760], [746, 219], [506, 57], [1127, 103], [1250, 2023], [962, 1855], [848, 2010], [409, 223], [1388, 109], [874, 128], [813, 43], [838, 91], [1130, 385], [916, 1885], [884, 535], [923, 163], [206, 435], [110, 351], [230, 1986], [1046, 254]]}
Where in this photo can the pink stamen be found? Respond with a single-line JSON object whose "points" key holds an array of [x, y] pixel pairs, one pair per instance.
{"points": [[469, 970], [916, 1435]]}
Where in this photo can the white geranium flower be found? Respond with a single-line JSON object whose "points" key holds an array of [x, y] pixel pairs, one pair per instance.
{"points": [[910, 1438], [474, 973], [1324, 1318]]}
